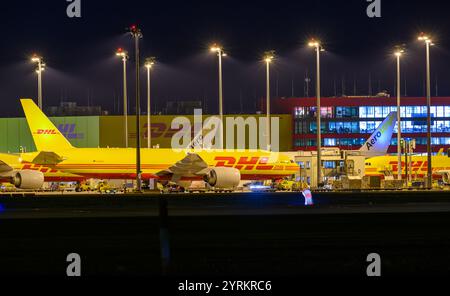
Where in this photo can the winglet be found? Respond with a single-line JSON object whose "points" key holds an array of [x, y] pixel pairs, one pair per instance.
{"points": [[378, 143], [45, 135]]}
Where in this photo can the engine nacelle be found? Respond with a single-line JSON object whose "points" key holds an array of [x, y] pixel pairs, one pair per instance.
{"points": [[223, 177], [446, 178], [28, 179]]}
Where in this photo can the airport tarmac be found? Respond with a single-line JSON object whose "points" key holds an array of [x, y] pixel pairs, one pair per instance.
{"points": [[72, 205], [228, 234]]}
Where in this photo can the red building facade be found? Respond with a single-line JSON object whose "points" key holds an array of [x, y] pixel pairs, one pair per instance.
{"points": [[348, 121]]}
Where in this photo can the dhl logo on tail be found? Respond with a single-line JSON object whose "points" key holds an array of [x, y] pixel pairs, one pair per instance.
{"points": [[45, 132]]}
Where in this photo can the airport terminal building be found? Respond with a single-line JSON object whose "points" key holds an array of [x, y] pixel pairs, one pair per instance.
{"points": [[348, 121]]}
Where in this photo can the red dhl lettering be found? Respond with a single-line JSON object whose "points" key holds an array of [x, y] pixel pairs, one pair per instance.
{"points": [[45, 132], [415, 166], [247, 163], [225, 161], [38, 167]]}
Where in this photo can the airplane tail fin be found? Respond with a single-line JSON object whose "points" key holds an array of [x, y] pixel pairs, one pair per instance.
{"points": [[378, 143], [45, 135]]}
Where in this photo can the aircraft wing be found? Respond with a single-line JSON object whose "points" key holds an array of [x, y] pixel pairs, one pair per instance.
{"points": [[4, 167], [191, 165], [47, 158]]}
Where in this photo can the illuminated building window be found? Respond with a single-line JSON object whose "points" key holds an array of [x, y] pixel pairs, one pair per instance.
{"points": [[313, 127], [378, 112], [299, 112], [326, 112], [342, 112], [440, 111], [362, 112], [329, 164], [447, 111], [329, 142], [370, 112]]}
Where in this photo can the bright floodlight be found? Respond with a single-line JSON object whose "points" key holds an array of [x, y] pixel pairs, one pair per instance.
{"points": [[269, 56], [425, 38], [314, 43], [39, 61], [122, 53], [35, 58], [149, 62], [217, 48], [135, 31], [399, 52]]}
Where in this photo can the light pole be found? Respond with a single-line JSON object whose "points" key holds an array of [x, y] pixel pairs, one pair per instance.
{"points": [[220, 53], [124, 55], [426, 39], [318, 48], [149, 62], [398, 53], [268, 58], [40, 68], [136, 33]]}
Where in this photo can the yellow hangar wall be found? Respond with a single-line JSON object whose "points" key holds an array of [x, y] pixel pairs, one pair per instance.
{"points": [[112, 130], [108, 131], [81, 131]]}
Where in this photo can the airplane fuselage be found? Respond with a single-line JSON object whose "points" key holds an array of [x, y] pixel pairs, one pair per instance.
{"points": [[377, 166], [120, 163]]}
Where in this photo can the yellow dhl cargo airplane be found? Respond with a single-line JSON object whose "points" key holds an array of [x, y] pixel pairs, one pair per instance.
{"points": [[382, 165], [218, 168]]}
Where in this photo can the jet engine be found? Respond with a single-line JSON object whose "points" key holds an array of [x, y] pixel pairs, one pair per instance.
{"points": [[28, 179], [223, 177]]}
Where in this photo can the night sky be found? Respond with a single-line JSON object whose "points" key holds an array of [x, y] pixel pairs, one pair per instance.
{"points": [[82, 67]]}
